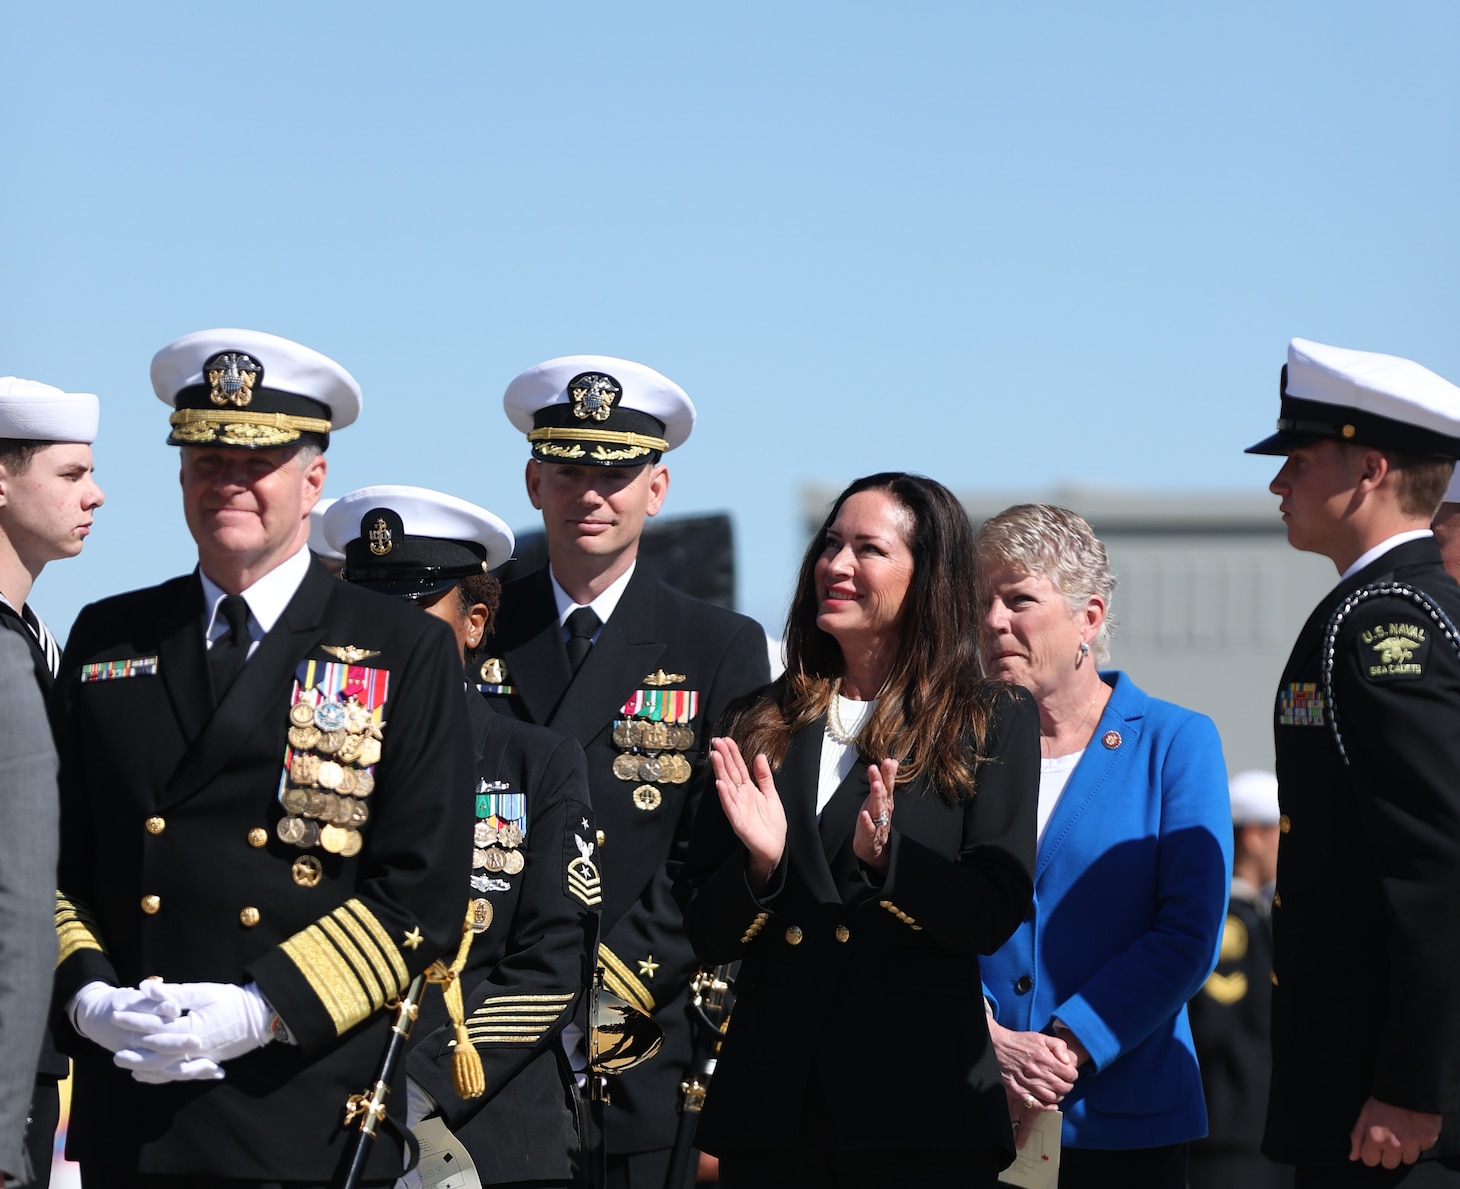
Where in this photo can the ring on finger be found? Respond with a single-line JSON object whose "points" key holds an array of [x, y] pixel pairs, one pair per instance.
{"points": [[882, 818], [1030, 1102]]}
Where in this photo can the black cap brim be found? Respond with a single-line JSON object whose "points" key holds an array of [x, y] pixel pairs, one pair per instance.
{"points": [[1284, 442], [416, 589]]}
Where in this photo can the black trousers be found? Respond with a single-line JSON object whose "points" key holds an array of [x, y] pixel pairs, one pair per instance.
{"points": [[101, 1176], [1129, 1168], [40, 1130], [1424, 1174]]}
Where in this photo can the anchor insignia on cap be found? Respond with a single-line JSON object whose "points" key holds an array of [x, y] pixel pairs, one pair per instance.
{"points": [[593, 395], [231, 378], [380, 538]]}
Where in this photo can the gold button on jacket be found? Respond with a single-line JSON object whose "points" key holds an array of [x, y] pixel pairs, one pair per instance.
{"points": [[155, 825], [150, 904]]}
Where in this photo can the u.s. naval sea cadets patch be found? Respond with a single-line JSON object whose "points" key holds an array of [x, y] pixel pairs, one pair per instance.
{"points": [[1300, 704], [1393, 651]]}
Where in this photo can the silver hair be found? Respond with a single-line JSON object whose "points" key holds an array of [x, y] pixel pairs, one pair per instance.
{"points": [[1058, 544]]}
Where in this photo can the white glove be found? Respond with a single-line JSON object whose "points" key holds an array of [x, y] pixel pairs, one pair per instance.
{"points": [[154, 1069], [222, 1021], [118, 1017]]}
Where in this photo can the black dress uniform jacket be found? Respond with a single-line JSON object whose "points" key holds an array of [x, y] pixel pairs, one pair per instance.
{"points": [[528, 973], [164, 797], [868, 987], [720, 655], [1365, 921]]}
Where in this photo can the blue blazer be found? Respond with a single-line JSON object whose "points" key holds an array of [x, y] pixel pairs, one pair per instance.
{"points": [[1130, 893]]}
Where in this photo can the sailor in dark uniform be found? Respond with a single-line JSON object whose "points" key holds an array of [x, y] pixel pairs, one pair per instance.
{"points": [[532, 902], [597, 647], [1366, 1019], [48, 497], [260, 771]]}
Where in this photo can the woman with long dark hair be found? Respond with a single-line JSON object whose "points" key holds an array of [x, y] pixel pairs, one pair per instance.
{"points": [[873, 834]]}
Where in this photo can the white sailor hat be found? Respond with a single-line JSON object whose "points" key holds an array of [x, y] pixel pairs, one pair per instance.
{"points": [[1254, 798], [252, 390], [1366, 398], [597, 410], [36, 412], [412, 541], [317, 542]]}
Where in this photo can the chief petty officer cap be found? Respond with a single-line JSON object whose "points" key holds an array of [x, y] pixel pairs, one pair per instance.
{"points": [[599, 411], [34, 412], [317, 543], [251, 390], [1254, 798], [413, 542], [1366, 398]]}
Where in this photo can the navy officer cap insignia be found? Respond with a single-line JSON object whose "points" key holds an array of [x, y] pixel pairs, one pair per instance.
{"points": [[1364, 397], [414, 542], [599, 411], [252, 391]]}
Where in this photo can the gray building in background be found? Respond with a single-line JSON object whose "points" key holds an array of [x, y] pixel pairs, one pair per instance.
{"points": [[1208, 601]]}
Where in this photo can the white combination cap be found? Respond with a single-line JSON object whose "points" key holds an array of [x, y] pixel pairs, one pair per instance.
{"points": [[1365, 398], [36, 412], [1254, 798], [598, 410], [252, 390], [413, 541], [317, 542]]}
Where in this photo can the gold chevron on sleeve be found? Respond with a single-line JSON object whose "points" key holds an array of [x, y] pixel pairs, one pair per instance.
{"points": [[350, 962], [623, 982], [516, 1019], [1226, 989], [75, 928]]}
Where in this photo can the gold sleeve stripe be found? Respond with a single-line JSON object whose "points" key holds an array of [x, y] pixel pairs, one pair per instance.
{"points": [[387, 949], [344, 943], [330, 977], [623, 982], [75, 929]]}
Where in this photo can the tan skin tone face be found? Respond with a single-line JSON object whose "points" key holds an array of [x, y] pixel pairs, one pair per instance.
{"points": [[46, 510], [1447, 536], [467, 625], [594, 514]]}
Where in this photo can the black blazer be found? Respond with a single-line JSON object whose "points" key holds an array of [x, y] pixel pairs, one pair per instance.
{"points": [[718, 655], [1366, 931], [164, 797], [869, 986], [527, 974]]}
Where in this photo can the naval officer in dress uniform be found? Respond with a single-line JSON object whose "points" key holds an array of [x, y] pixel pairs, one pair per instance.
{"points": [[1365, 1014], [532, 900], [260, 768], [48, 499], [594, 645]]}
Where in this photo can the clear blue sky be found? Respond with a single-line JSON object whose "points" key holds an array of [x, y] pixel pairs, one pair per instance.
{"points": [[1005, 245]]}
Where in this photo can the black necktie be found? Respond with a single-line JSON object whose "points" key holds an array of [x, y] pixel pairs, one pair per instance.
{"points": [[581, 626], [226, 657]]}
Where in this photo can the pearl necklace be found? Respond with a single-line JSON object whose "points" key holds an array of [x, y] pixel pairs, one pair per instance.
{"points": [[834, 726]]}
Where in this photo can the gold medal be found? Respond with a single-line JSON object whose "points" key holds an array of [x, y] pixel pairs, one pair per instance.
{"points": [[295, 801], [333, 839], [330, 775], [624, 735], [655, 735], [308, 871], [682, 770], [649, 768], [301, 714], [357, 717], [331, 741], [369, 752], [344, 813], [359, 813], [647, 797], [681, 738], [317, 804], [479, 857], [365, 783], [354, 843], [481, 915], [351, 748], [291, 830], [510, 836], [304, 769], [311, 836], [494, 860], [515, 863], [626, 767], [349, 782], [303, 738]]}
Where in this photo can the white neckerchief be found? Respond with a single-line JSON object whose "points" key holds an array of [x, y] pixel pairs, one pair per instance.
{"points": [[603, 606], [266, 599], [838, 758], [1384, 547], [43, 636]]}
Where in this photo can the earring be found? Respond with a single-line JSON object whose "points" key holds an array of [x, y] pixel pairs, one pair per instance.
{"points": [[1084, 648]]}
